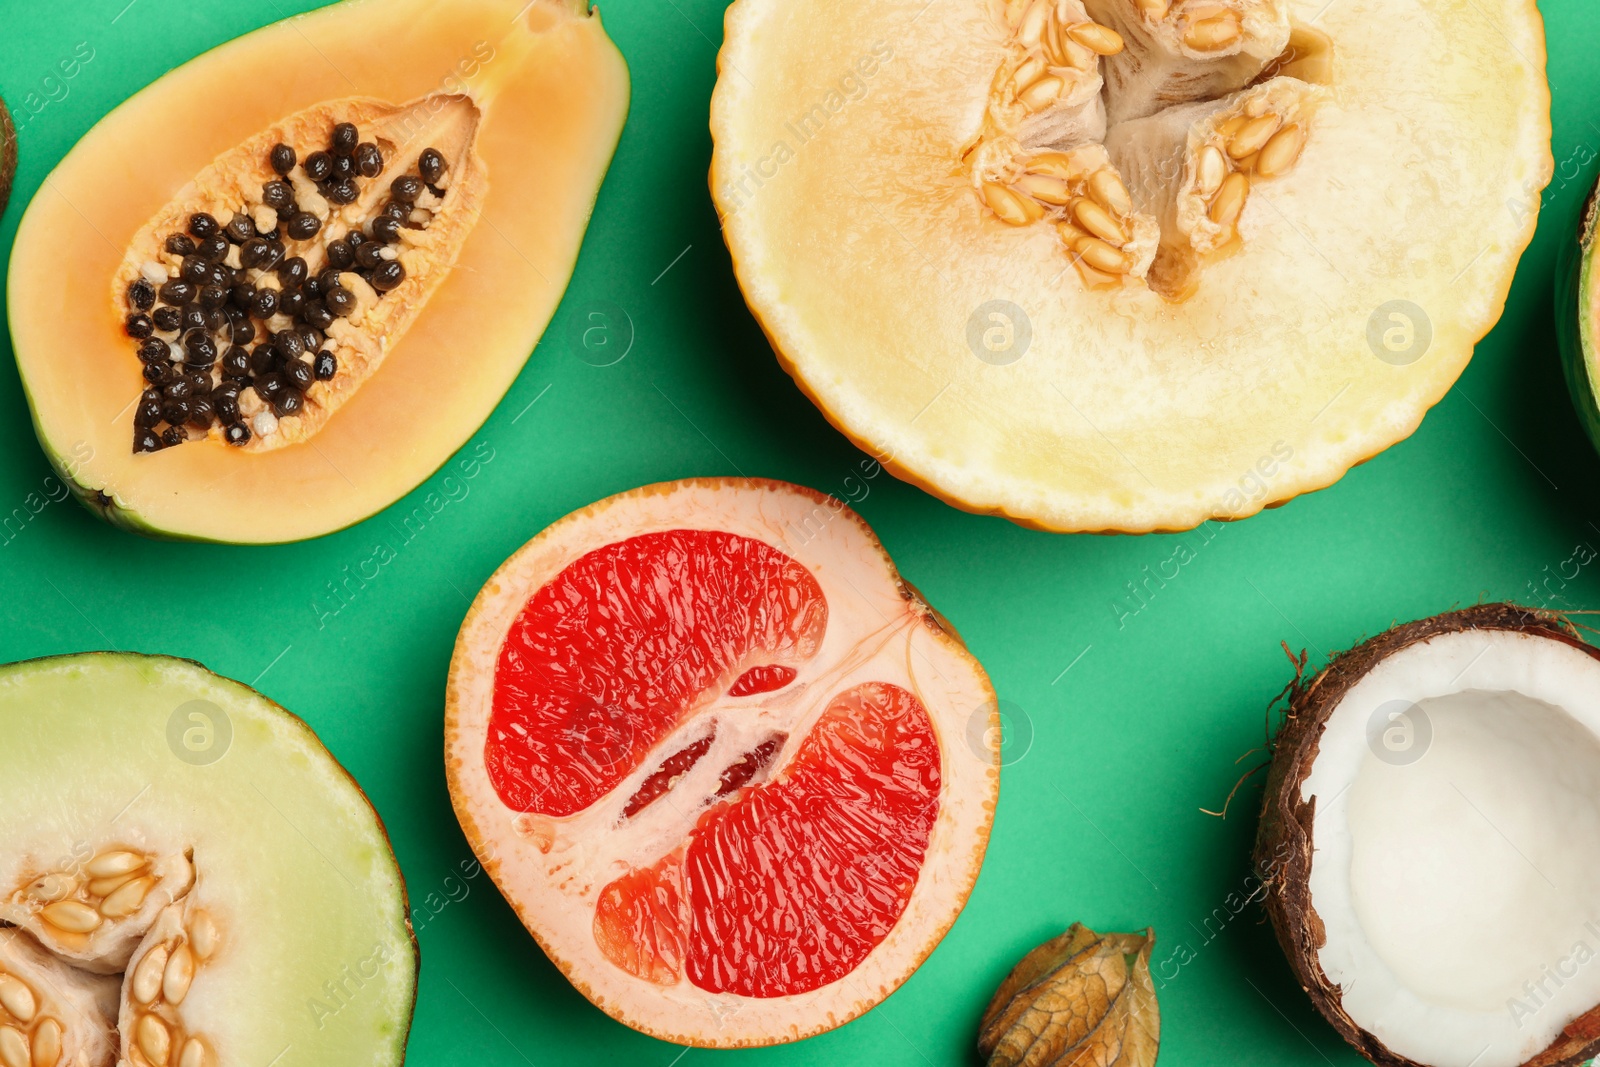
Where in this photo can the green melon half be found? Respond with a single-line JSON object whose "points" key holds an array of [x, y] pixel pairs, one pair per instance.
{"points": [[316, 962], [1577, 301]]}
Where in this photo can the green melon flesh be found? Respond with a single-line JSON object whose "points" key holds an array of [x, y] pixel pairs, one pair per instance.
{"points": [[317, 963], [1577, 302]]}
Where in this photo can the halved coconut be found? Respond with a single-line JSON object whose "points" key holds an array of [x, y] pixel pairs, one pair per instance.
{"points": [[1127, 264], [1431, 841], [732, 772]]}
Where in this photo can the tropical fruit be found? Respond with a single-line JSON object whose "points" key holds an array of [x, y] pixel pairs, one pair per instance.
{"points": [[240, 338], [187, 878], [1429, 838], [733, 773], [1578, 317], [1127, 264]]}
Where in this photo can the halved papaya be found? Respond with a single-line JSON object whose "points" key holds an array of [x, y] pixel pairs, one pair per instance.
{"points": [[1127, 264], [328, 274]]}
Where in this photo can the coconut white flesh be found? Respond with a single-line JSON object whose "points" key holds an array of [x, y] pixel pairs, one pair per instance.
{"points": [[1460, 889], [862, 247]]}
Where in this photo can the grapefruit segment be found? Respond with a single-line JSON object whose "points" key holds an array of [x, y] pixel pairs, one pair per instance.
{"points": [[792, 884], [733, 773], [605, 660]]}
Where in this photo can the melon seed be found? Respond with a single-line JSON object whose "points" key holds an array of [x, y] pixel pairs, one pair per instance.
{"points": [[1013, 208], [1210, 35], [47, 1044], [202, 935], [179, 974], [1044, 187], [1280, 153], [1042, 93], [153, 1039], [49, 888], [71, 916], [1106, 187], [1031, 29], [1055, 44], [1253, 135], [1210, 169], [1101, 40], [17, 998], [146, 984], [1102, 256], [14, 1047], [102, 887], [128, 899], [1098, 221], [1230, 199], [1028, 72], [194, 1054]]}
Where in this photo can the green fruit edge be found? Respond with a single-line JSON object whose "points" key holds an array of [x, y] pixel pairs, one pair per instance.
{"points": [[1575, 325]]}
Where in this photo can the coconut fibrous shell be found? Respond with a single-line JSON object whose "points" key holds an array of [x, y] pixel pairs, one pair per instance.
{"points": [[1284, 843]]}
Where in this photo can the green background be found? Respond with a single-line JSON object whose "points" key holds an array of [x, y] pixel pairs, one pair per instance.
{"points": [[1099, 817]]}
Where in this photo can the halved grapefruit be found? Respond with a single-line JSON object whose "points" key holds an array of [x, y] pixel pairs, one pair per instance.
{"points": [[733, 773]]}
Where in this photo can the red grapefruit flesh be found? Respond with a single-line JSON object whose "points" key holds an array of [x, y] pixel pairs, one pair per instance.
{"points": [[717, 755]]}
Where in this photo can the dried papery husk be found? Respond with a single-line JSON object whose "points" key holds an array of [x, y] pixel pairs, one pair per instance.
{"points": [[1080, 998], [233, 182], [55, 1014], [1165, 158], [93, 914], [1171, 60]]}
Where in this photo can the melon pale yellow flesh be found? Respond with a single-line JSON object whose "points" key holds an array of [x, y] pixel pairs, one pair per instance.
{"points": [[552, 870], [1457, 890], [309, 955], [553, 93], [863, 250]]}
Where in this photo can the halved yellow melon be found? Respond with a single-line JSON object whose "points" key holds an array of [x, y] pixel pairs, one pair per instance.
{"points": [[1129, 264], [526, 99]]}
